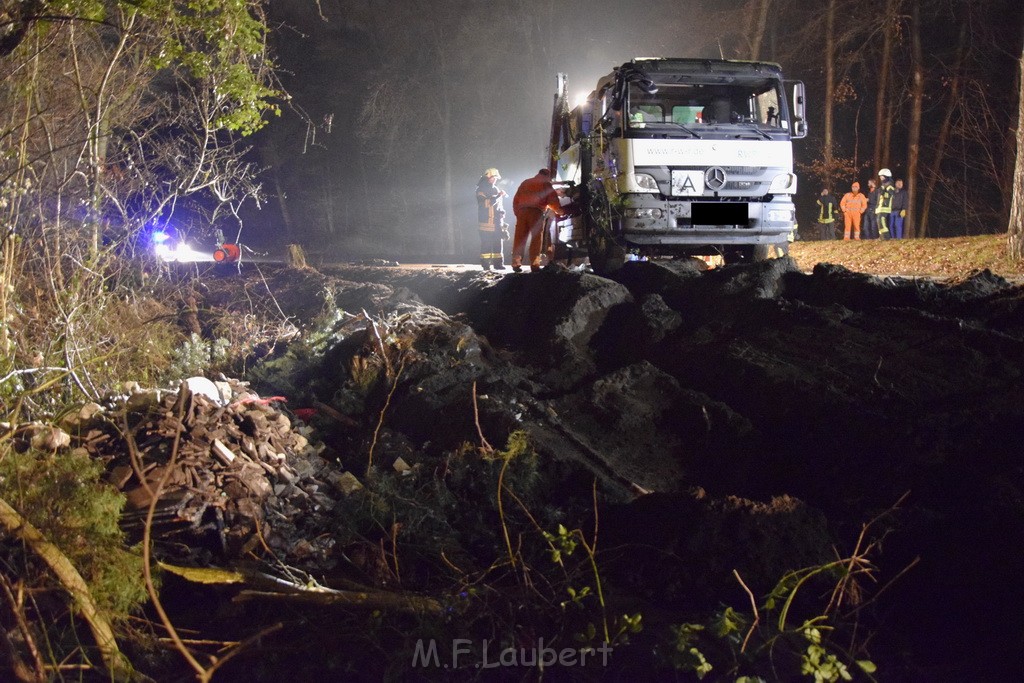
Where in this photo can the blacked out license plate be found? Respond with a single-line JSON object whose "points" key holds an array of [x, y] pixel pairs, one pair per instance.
{"points": [[720, 213]]}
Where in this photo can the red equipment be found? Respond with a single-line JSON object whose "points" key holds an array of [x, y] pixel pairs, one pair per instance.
{"points": [[227, 253]]}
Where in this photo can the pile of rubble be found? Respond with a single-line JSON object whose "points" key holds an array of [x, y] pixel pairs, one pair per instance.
{"points": [[221, 472]]}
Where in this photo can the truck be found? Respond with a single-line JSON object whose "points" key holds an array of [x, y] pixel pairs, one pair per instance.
{"points": [[675, 158]]}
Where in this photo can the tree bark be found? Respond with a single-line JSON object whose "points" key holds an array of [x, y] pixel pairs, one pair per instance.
{"points": [[274, 160], [760, 22], [1015, 231], [917, 103], [883, 87], [830, 84]]}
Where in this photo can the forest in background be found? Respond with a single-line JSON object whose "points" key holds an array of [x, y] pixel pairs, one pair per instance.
{"points": [[397, 113]]}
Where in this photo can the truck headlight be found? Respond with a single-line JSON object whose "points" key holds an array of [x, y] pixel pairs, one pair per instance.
{"points": [[643, 213], [645, 182], [783, 184], [781, 216]]}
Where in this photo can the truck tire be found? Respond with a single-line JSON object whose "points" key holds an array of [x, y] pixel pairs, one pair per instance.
{"points": [[744, 254], [763, 252], [755, 253]]}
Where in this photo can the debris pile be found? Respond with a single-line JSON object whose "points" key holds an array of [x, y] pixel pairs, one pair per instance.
{"points": [[229, 472]]}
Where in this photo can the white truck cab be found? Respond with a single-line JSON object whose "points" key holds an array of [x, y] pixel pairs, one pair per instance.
{"points": [[677, 157]]}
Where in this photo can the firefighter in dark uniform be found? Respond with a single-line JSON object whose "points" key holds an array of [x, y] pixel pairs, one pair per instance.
{"points": [[886, 192], [828, 209], [491, 218]]}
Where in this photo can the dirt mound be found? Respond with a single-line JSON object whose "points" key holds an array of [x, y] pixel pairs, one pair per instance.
{"points": [[842, 390], [704, 434]]}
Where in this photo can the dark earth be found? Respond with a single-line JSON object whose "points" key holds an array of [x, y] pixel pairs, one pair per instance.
{"points": [[708, 430]]}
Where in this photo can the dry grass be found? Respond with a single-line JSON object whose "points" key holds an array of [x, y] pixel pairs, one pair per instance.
{"points": [[933, 257]]}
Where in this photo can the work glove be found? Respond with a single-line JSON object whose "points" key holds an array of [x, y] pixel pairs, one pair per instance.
{"points": [[504, 232], [903, 213]]}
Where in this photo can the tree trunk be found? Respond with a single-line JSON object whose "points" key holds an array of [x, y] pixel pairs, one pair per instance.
{"points": [[944, 131], [885, 158], [1015, 231], [761, 20], [883, 86], [830, 84], [274, 162], [917, 103]]}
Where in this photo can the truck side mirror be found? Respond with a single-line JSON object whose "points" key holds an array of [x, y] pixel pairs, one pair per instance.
{"points": [[799, 110]]}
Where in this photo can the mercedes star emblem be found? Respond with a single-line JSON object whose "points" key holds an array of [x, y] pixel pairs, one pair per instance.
{"points": [[714, 178]]}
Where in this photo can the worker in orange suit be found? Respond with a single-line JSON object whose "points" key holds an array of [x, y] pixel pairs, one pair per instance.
{"points": [[853, 205], [532, 200]]}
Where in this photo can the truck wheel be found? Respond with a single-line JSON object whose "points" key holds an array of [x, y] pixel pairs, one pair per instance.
{"points": [[763, 252], [739, 255]]}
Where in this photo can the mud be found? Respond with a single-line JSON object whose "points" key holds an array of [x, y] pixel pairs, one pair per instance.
{"points": [[747, 420]]}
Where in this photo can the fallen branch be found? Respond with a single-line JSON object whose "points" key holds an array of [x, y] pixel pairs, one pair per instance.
{"points": [[365, 599], [113, 660]]}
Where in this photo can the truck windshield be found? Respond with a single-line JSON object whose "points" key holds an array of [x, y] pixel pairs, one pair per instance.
{"points": [[749, 104]]}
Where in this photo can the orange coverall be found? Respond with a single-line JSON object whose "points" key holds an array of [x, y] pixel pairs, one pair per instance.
{"points": [[533, 196], [853, 204]]}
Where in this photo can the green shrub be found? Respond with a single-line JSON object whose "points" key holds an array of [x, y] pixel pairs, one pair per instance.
{"points": [[64, 497]]}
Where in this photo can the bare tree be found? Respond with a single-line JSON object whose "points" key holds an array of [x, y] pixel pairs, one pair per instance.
{"points": [[882, 121], [917, 103], [1015, 233], [757, 14], [830, 79], [116, 121]]}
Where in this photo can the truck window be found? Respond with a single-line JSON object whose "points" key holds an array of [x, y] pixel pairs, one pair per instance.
{"points": [[766, 108], [743, 101], [642, 114], [686, 114]]}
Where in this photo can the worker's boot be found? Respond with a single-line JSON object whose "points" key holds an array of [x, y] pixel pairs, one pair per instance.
{"points": [[535, 265], [517, 264]]}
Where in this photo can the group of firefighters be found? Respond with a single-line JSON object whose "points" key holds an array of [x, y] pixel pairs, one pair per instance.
{"points": [[883, 210], [534, 198]]}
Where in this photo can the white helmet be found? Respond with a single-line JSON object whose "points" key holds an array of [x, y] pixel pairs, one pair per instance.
{"points": [[885, 173], [492, 172]]}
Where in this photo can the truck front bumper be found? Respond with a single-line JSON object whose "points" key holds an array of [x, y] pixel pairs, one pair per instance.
{"points": [[648, 220]]}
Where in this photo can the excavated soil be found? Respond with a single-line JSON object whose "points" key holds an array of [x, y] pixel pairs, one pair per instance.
{"points": [[747, 420]]}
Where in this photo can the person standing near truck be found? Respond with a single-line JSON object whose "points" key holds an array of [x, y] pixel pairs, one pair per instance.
{"points": [[828, 208], [853, 205], [534, 197], [870, 230], [899, 210], [491, 216], [886, 191]]}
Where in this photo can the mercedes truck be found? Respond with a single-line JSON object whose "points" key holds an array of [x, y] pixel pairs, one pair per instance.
{"points": [[678, 157]]}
